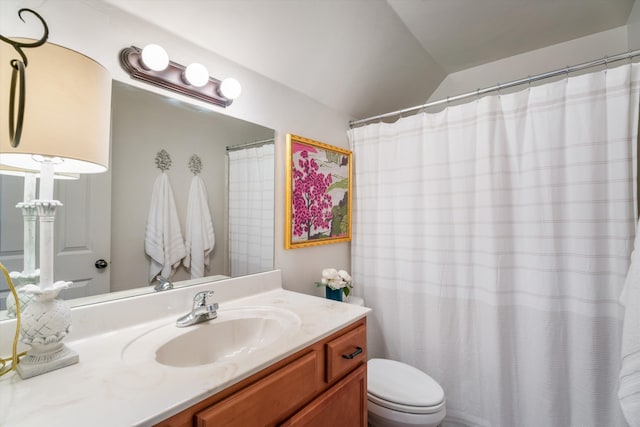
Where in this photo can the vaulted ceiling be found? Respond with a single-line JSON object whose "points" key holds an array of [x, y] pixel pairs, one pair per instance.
{"points": [[365, 57]]}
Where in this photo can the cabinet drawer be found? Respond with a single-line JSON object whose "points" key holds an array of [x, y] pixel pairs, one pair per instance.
{"points": [[269, 400], [345, 353]]}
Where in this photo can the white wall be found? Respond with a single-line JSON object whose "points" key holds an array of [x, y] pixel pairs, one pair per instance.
{"points": [[633, 27], [554, 57], [100, 31]]}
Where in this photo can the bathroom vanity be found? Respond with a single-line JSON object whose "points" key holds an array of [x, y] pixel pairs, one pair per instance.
{"points": [[272, 357], [321, 385]]}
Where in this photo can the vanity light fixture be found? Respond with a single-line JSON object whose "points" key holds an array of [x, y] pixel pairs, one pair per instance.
{"points": [[193, 81]]}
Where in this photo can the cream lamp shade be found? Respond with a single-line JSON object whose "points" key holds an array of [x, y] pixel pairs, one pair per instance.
{"points": [[67, 111]]}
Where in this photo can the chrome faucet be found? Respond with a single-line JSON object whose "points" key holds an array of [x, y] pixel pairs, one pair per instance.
{"points": [[163, 284], [202, 310]]}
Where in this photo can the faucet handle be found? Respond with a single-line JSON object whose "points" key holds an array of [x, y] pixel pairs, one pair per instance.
{"points": [[163, 284], [200, 299]]}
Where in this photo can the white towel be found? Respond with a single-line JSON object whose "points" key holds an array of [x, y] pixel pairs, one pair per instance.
{"points": [[163, 240], [629, 391], [200, 238]]}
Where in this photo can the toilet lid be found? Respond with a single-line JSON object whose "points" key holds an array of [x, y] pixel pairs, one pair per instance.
{"points": [[401, 385]]}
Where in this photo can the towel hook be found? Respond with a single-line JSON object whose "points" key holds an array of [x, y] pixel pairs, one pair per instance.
{"points": [[195, 164], [163, 160]]}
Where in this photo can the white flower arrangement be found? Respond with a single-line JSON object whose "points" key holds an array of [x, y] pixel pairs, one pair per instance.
{"points": [[336, 279]]}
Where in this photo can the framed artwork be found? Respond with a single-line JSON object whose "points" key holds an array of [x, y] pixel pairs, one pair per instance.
{"points": [[318, 194]]}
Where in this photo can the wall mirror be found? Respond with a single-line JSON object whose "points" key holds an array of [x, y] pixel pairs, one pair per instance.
{"points": [[104, 216]]}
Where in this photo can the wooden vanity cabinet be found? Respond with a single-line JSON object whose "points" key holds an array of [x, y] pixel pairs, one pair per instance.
{"points": [[324, 384]]}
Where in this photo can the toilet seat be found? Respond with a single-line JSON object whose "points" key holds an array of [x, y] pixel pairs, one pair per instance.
{"points": [[405, 408], [400, 387]]}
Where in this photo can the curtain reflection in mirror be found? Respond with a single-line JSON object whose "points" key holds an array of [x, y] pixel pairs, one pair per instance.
{"points": [[251, 201]]}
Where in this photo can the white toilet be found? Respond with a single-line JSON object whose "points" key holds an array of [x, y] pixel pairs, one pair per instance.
{"points": [[400, 395]]}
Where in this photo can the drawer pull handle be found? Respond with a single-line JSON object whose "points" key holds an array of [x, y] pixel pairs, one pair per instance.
{"points": [[354, 354]]}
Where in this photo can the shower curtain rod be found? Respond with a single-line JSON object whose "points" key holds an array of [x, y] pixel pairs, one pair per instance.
{"points": [[566, 70], [249, 144]]}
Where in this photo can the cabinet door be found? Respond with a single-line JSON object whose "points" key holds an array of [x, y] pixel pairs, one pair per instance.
{"points": [[270, 400], [344, 405]]}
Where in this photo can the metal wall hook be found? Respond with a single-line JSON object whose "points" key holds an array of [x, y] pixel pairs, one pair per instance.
{"points": [[163, 160], [18, 66], [195, 164]]}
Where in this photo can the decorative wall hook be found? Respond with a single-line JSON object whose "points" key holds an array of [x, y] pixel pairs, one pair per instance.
{"points": [[195, 164], [163, 160], [16, 119]]}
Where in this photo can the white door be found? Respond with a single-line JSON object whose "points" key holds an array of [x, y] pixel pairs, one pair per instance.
{"points": [[82, 235]]}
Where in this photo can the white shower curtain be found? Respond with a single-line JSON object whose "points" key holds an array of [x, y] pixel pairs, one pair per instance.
{"points": [[492, 240], [251, 200]]}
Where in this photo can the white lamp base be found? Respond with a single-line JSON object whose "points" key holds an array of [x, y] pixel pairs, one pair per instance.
{"points": [[42, 359], [19, 280], [45, 323]]}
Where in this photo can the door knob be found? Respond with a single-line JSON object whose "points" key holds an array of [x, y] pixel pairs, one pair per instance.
{"points": [[101, 264]]}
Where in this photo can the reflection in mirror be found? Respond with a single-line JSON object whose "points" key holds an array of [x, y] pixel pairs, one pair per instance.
{"points": [[104, 216]]}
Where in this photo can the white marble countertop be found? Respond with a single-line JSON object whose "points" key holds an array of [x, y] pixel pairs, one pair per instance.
{"points": [[105, 390]]}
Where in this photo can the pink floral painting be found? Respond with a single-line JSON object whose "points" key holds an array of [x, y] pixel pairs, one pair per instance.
{"points": [[318, 200]]}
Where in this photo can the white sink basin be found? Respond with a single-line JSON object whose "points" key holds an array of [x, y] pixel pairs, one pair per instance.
{"points": [[235, 334]]}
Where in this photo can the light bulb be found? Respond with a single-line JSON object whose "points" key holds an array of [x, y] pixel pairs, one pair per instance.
{"points": [[196, 75], [230, 88], [154, 57]]}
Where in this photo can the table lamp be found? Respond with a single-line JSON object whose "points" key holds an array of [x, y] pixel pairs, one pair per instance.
{"points": [[64, 128]]}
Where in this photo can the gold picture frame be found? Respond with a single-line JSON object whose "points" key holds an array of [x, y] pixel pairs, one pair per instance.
{"points": [[318, 194]]}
